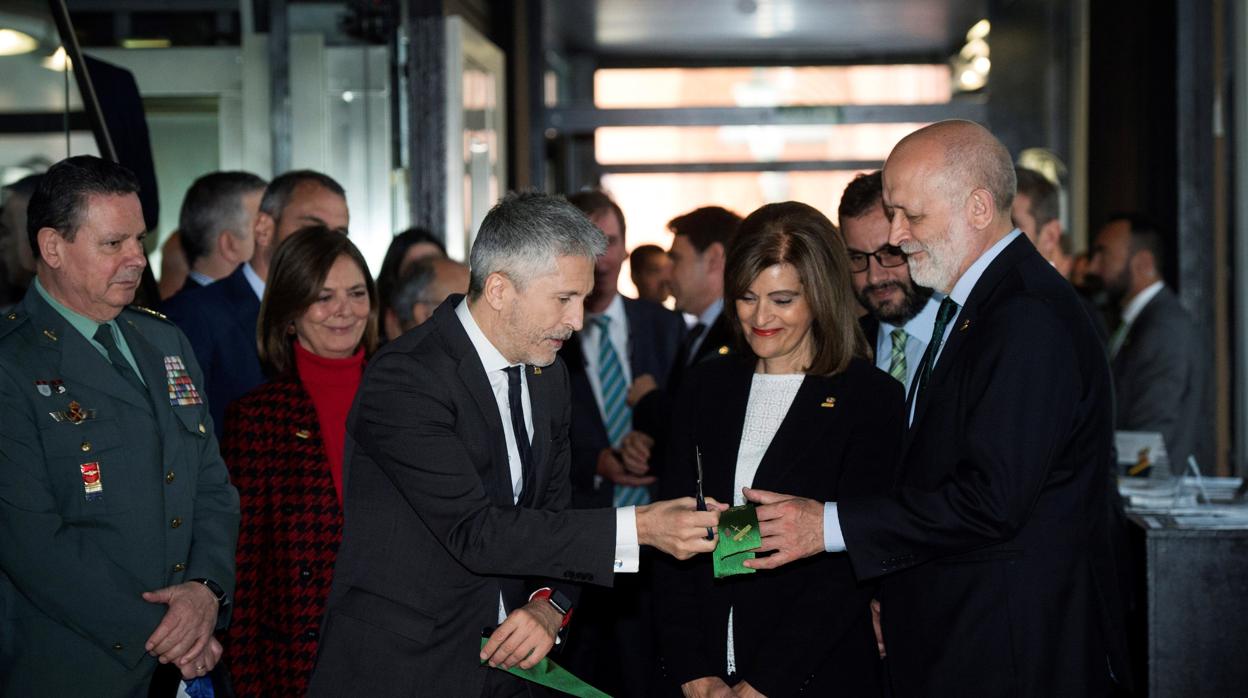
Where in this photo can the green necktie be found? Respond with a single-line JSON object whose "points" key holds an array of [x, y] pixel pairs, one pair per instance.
{"points": [[104, 335], [948, 308], [897, 360]]}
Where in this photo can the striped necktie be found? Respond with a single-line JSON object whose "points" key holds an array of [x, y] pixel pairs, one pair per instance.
{"points": [[897, 360], [617, 415]]}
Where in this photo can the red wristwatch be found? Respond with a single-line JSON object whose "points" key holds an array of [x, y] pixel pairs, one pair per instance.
{"points": [[558, 601]]}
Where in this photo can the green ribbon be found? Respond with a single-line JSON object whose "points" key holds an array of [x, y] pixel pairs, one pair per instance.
{"points": [[738, 535], [547, 673]]}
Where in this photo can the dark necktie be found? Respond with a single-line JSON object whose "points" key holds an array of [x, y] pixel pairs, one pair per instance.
{"points": [[685, 354], [104, 335], [948, 308], [516, 405]]}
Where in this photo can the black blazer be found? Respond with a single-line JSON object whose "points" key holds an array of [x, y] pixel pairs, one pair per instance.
{"points": [[993, 553], [431, 535], [805, 627], [220, 320], [654, 334], [1160, 380], [654, 413]]}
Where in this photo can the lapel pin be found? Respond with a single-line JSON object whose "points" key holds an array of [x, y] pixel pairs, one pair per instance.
{"points": [[965, 324], [50, 335], [829, 402], [48, 387], [303, 434], [723, 351], [12, 316], [537, 370]]}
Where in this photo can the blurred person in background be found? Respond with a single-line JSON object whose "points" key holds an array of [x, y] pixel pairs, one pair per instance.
{"points": [[284, 446], [17, 261], [422, 288], [406, 247], [651, 271], [216, 225]]}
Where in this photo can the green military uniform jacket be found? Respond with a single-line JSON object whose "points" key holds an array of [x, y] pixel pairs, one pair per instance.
{"points": [[104, 493]]}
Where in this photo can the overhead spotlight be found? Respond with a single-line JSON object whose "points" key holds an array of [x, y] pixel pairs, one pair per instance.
{"points": [[982, 65], [13, 42], [979, 31], [58, 61]]}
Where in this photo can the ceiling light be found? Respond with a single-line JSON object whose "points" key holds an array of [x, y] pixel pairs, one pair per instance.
{"points": [[146, 43], [979, 31], [982, 64], [58, 61], [13, 42], [970, 80]]}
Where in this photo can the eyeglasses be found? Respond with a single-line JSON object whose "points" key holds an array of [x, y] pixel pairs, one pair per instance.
{"points": [[886, 256]]}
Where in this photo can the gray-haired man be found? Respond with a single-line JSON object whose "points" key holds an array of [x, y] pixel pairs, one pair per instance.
{"points": [[457, 480]]}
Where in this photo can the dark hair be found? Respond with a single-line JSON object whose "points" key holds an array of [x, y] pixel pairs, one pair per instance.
{"points": [[596, 201], [863, 193], [214, 203], [705, 226], [1041, 194], [277, 194], [300, 266], [1145, 235], [642, 254], [411, 286], [391, 265], [60, 199], [794, 233]]}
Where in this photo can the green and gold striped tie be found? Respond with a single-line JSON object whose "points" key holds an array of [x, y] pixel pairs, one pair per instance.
{"points": [[897, 360]]}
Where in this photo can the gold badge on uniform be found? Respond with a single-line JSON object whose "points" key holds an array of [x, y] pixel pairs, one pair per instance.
{"points": [[829, 402], [74, 414], [92, 486], [181, 390]]}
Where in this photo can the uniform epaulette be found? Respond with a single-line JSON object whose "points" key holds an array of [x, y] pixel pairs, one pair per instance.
{"points": [[11, 321], [149, 311]]}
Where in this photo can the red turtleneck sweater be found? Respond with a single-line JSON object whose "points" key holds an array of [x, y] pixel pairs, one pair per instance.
{"points": [[332, 384]]}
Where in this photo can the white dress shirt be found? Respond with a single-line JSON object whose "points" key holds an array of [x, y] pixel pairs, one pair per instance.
{"points": [[253, 280], [833, 536], [627, 550]]}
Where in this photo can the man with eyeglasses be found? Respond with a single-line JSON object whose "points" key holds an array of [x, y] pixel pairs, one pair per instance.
{"points": [[900, 313]]}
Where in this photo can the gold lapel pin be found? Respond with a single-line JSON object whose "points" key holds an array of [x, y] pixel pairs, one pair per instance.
{"points": [[537, 370], [50, 335], [965, 324], [723, 351], [303, 434], [829, 402]]}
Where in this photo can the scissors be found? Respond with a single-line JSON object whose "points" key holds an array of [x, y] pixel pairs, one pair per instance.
{"points": [[710, 534]]}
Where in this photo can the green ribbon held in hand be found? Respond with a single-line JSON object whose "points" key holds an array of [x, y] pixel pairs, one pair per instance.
{"points": [[547, 673], [738, 535]]}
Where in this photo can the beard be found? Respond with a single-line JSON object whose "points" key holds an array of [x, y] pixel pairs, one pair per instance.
{"points": [[897, 313], [943, 256], [1114, 289], [530, 343]]}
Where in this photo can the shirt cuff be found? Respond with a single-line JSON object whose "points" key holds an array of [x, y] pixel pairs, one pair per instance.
{"points": [[627, 550], [833, 537]]}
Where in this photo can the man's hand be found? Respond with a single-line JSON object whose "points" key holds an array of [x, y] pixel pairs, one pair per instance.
{"points": [[203, 664], [635, 450], [524, 638], [611, 468], [707, 687], [676, 527], [187, 627], [791, 526], [745, 690], [879, 631], [642, 386]]}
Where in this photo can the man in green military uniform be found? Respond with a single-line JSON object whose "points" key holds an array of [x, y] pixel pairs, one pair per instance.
{"points": [[116, 512]]}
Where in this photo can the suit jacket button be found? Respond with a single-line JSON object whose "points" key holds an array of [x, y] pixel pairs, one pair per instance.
{"points": [[86, 447], [117, 646], [169, 478], [180, 567], [311, 635], [177, 521], [202, 429], [305, 573]]}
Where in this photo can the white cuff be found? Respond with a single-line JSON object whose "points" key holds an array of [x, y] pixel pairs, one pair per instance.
{"points": [[833, 538], [627, 550]]}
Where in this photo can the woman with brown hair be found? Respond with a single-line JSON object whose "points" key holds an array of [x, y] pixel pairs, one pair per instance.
{"points": [[801, 410], [284, 446]]}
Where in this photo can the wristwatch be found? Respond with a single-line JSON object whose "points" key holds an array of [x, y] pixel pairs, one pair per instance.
{"points": [[223, 599], [558, 601]]}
